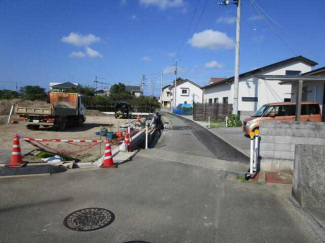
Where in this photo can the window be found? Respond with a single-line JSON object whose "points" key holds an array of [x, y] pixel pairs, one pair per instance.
{"points": [[287, 100], [292, 72], [210, 101], [216, 100], [225, 100], [168, 94], [185, 92]]}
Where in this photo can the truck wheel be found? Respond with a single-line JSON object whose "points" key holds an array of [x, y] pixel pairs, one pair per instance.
{"points": [[80, 122], [63, 124]]}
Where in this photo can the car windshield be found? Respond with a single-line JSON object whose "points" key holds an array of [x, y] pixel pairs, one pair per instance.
{"points": [[261, 111]]}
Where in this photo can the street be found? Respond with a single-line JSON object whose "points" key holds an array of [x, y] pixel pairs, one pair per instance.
{"points": [[183, 190]]}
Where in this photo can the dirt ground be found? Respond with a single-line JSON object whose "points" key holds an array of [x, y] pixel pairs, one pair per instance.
{"points": [[87, 131]]}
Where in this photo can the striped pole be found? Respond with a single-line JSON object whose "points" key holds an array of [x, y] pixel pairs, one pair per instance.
{"points": [[108, 158], [16, 158]]}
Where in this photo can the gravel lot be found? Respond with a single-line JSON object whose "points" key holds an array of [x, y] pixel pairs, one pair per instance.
{"points": [[87, 131]]}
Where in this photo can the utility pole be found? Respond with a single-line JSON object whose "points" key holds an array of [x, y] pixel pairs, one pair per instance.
{"points": [[175, 85], [161, 82], [153, 87], [16, 86], [143, 79], [96, 82], [236, 77]]}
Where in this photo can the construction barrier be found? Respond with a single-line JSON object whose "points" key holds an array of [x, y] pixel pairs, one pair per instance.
{"points": [[108, 158], [16, 158]]}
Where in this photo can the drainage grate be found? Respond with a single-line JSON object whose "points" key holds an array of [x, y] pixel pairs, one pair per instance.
{"points": [[89, 219]]}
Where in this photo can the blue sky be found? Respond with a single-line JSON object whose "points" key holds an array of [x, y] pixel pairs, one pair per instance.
{"points": [[119, 40]]}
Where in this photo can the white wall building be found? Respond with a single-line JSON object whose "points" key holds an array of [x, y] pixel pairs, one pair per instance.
{"points": [[255, 92], [187, 92]]}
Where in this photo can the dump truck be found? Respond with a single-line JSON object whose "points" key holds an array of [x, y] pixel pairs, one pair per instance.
{"points": [[60, 111]]}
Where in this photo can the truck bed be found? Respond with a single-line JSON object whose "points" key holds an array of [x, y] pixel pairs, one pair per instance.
{"points": [[20, 110]]}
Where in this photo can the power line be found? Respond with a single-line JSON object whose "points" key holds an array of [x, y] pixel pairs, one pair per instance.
{"points": [[266, 14], [189, 27], [270, 26], [197, 25]]}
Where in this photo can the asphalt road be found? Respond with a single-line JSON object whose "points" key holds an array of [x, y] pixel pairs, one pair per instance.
{"points": [[191, 138], [177, 192]]}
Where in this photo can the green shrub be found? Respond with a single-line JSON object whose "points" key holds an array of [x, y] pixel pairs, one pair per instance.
{"points": [[234, 121]]}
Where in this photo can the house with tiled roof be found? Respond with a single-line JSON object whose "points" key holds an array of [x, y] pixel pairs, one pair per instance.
{"points": [[255, 92]]}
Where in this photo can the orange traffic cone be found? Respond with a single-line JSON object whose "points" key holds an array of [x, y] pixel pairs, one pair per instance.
{"points": [[127, 141], [108, 158], [138, 118], [16, 159]]}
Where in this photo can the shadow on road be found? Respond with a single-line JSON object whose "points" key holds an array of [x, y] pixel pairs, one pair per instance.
{"points": [[41, 203]]}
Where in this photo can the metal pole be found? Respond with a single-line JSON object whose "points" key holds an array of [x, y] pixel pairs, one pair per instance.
{"points": [[11, 110], [236, 78], [256, 152], [298, 98], [175, 86], [251, 156], [161, 83], [146, 136]]}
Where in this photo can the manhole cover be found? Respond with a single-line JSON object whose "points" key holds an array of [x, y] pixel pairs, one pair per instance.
{"points": [[89, 219]]}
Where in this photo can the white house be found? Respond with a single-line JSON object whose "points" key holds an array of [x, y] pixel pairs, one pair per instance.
{"points": [[255, 92], [187, 92]]}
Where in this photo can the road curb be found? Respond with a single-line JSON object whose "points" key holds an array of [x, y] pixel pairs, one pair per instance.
{"points": [[24, 176]]}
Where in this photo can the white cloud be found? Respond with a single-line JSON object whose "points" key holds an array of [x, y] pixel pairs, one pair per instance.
{"points": [[134, 17], [80, 40], [77, 54], [124, 2], [213, 64], [163, 4], [211, 39], [227, 20], [171, 54], [171, 70], [92, 53], [147, 59], [256, 17]]}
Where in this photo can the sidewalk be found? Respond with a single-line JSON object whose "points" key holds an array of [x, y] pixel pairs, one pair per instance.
{"points": [[231, 135]]}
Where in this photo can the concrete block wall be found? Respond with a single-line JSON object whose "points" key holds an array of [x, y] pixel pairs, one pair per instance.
{"points": [[278, 140], [309, 176]]}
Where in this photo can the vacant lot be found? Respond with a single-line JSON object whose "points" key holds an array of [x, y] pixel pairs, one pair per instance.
{"points": [[87, 131]]}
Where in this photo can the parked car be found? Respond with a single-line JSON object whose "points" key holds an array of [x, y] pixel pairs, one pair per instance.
{"points": [[284, 111]]}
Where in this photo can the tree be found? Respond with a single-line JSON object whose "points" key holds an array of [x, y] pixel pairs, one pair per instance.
{"points": [[117, 89], [33, 92], [8, 94]]}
